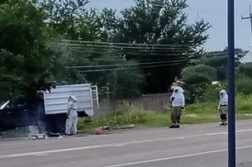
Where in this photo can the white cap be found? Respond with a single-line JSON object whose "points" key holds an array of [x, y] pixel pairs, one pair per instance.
{"points": [[223, 91]]}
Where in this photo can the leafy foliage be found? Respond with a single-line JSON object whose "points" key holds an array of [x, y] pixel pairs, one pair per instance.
{"points": [[244, 85], [219, 60], [246, 69], [43, 40], [199, 74], [100, 65], [198, 80], [25, 62], [157, 22]]}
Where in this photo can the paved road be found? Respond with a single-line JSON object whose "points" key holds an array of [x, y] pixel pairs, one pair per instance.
{"points": [[191, 146]]}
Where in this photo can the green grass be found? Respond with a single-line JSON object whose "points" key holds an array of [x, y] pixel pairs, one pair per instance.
{"points": [[193, 114]]}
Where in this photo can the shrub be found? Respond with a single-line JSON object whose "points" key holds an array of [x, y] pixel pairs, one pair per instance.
{"points": [[244, 85], [198, 78], [211, 93], [199, 74], [246, 69]]}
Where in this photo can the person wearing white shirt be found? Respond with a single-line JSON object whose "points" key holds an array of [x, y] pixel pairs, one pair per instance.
{"points": [[177, 105], [223, 106]]}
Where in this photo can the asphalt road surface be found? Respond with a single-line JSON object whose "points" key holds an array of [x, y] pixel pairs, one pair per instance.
{"points": [[190, 146]]}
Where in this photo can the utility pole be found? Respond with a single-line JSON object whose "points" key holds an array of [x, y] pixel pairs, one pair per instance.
{"points": [[248, 17], [231, 87]]}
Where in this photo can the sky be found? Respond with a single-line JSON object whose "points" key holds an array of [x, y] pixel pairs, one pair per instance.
{"points": [[212, 11]]}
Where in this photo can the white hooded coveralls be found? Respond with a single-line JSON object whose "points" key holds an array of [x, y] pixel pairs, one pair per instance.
{"points": [[72, 116]]}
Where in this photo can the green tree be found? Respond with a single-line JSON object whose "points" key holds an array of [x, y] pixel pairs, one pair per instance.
{"points": [[63, 16], [244, 78], [198, 81], [110, 25], [25, 61], [116, 77], [245, 69], [101, 64], [199, 74], [161, 26], [219, 60], [69, 20]]}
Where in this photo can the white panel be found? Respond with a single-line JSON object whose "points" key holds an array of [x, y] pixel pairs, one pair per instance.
{"points": [[55, 101]]}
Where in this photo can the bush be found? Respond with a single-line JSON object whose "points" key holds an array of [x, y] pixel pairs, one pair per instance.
{"points": [[199, 74], [244, 85], [211, 93], [198, 79], [246, 69]]}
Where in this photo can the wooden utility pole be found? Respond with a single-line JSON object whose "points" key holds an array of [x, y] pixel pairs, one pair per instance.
{"points": [[249, 17]]}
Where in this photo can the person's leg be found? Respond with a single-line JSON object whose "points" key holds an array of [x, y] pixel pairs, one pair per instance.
{"points": [[226, 114], [173, 117], [223, 115], [74, 126], [68, 127], [178, 117]]}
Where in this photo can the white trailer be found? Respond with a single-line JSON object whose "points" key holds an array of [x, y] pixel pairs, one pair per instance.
{"points": [[55, 101]]}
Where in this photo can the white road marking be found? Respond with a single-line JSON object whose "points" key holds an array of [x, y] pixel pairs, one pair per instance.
{"points": [[47, 152], [122, 144], [225, 132], [176, 157], [217, 133]]}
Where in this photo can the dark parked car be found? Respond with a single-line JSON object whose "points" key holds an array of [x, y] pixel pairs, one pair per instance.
{"points": [[21, 113]]}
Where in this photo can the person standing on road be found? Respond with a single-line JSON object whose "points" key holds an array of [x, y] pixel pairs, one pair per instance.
{"points": [[72, 116], [223, 106], [177, 100]]}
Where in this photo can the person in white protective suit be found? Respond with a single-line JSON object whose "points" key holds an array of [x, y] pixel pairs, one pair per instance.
{"points": [[177, 100], [72, 116], [223, 106]]}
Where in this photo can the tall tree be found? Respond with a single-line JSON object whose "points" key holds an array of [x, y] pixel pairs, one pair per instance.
{"points": [[25, 62], [83, 32], [161, 25], [62, 15]]}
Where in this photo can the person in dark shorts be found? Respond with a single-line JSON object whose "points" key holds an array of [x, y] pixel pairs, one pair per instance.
{"points": [[223, 107], [177, 105]]}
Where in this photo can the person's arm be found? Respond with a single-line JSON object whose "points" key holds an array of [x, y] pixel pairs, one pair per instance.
{"points": [[68, 111], [219, 105], [172, 97], [182, 101]]}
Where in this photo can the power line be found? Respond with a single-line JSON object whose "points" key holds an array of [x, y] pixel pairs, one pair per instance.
{"points": [[135, 52], [125, 44], [143, 54], [133, 68], [157, 54], [138, 47], [125, 47], [115, 65], [135, 64]]}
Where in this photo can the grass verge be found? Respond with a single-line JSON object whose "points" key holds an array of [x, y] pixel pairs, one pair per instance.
{"points": [[193, 114]]}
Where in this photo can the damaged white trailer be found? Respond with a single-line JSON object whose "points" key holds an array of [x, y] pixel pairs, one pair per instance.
{"points": [[55, 103]]}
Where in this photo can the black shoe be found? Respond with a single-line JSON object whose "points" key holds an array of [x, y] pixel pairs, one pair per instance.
{"points": [[222, 124], [172, 126], [177, 126]]}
